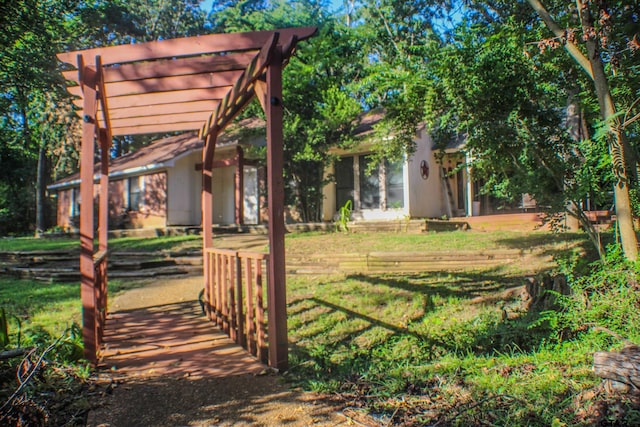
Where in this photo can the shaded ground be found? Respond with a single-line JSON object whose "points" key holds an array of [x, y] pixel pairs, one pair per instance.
{"points": [[166, 365]]}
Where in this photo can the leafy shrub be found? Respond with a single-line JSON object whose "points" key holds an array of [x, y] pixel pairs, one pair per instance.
{"points": [[605, 298]]}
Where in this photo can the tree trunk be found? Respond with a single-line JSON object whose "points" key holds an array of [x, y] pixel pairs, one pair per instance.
{"points": [[615, 139], [622, 367], [593, 67], [41, 209]]}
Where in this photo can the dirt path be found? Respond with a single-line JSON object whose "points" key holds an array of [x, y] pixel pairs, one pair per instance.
{"points": [[169, 366]]}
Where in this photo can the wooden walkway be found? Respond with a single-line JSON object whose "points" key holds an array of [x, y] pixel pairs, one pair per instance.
{"points": [[159, 330]]}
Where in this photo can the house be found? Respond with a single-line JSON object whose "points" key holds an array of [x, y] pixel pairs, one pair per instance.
{"points": [[430, 183], [160, 185]]}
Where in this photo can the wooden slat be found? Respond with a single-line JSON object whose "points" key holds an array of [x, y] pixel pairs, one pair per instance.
{"points": [[231, 288], [159, 119], [218, 281], [241, 336], [157, 110], [167, 84], [186, 46], [162, 98], [148, 129], [172, 67], [250, 310], [261, 352]]}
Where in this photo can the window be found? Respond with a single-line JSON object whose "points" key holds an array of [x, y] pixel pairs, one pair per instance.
{"points": [[373, 191], [135, 193], [394, 184], [369, 184], [344, 181]]}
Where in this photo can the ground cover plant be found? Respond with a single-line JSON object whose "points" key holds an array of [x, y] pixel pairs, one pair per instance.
{"points": [[434, 348], [43, 318], [462, 348]]}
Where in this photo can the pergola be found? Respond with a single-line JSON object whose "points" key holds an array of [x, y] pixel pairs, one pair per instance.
{"points": [[194, 83]]}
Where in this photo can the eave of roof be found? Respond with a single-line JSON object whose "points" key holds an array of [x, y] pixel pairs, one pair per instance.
{"points": [[164, 153]]}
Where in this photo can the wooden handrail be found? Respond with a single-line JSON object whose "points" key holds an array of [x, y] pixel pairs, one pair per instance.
{"points": [[99, 256], [234, 296]]}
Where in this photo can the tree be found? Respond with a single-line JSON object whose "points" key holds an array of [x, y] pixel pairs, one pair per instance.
{"points": [[37, 125], [592, 63], [478, 75], [320, 107], [31, 87]]}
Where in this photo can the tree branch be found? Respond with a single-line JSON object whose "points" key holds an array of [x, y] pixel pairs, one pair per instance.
{"points": [[573, 50]]}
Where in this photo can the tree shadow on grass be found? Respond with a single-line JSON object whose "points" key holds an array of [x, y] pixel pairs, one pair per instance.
{"points": [[332, 351]]}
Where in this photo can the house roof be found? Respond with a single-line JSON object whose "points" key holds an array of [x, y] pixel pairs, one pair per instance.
{"points": [[457, 143], [163, 153], [367, 121]]}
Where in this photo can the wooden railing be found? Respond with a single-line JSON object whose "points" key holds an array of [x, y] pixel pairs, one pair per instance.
{"points": [[234, 297], [100, 289]]}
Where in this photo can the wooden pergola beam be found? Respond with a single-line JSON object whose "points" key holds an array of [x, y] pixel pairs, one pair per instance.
{"points": [[163, 109], [177, 117], [147, 129], [163, 98], [172, 67], [87, 272], [186, 46], [167, 84], [276, 292], [239, 96]]}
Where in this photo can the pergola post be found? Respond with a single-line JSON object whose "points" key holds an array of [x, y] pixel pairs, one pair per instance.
{"points": [[88, 82], [207, 189], [103, 210], [276, 285], [239, 186], [207, 209]]}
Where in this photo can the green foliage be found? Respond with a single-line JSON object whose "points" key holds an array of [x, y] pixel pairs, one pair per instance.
{"points": [[342, 224], [604, 300], [4, 329], [422, 346], [320, 109]]}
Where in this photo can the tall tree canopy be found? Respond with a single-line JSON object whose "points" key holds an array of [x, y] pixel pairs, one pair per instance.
{"points": [[536, 120], [320, 107]]}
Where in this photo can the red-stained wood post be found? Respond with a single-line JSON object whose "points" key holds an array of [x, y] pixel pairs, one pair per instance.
{"points": [[239, 186], [276, 281], [103, 215], [207, 215], [88, 81]]}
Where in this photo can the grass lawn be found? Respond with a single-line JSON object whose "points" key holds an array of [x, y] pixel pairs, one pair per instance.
{"points": [[425, 346], [37, 309], [411, 349], [144, 244]]}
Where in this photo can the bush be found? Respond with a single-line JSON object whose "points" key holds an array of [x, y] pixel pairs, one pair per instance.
{"points": [[605, 298]]}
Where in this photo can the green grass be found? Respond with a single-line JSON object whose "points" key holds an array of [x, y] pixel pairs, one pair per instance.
{"points": [[50, 307], [142, 244], [414, 348], [151, 244], [33, 244], [308, 243], [426, 348]]}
